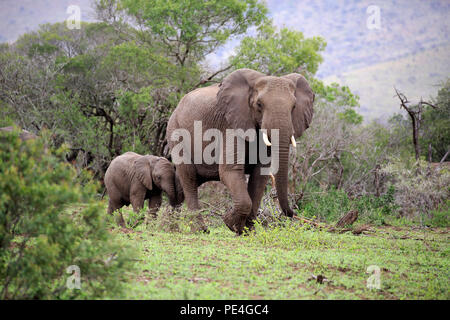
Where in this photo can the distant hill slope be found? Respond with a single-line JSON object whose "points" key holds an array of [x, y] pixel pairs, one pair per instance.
{"points": [[416, 75]]}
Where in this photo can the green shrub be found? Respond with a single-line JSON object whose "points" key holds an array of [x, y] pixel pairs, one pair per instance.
{"points": [[44, 230], [325, 205], [439, 217], [331, 204]]}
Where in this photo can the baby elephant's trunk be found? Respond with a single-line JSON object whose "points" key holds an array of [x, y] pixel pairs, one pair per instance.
{"points": [[178, 191]]}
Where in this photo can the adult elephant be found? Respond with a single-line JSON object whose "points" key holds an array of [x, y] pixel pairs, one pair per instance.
{"points": [[133, 178], [245, 99]]}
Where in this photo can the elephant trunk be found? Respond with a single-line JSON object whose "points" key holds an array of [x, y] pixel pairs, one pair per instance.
{"points": [[179, 191], [169, 188], [172, 195], [281, 176], [281, 180]]}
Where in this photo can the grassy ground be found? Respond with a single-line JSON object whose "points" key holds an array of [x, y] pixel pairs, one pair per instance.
{"points": [[280, 262]]}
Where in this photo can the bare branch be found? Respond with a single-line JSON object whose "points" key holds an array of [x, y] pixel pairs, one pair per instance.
{"points": [[209, 79], [445, 156]]}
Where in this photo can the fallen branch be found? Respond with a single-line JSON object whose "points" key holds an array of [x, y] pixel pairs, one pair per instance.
{"points": [[347, 219], [310, 222], [361, 229]]}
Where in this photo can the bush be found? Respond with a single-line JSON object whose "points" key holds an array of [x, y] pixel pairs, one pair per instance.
{"points": [[43, 231], [439, 217], [332, 204], [420, 189]]}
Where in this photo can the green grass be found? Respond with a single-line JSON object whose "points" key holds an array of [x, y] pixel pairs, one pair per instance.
{"points": [[278, 263]]}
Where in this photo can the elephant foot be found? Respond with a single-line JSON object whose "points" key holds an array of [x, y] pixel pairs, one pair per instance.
{"points": [[201, 224], [249, 224], [288, 213], [120, 221], [250, 221], [150, 217], [200, 228], [198, 224], [234, 222]]}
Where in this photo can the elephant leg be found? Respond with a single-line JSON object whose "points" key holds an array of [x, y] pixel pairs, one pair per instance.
{"points": [[137, 197], [188, 179], [256, 186], [116, 203], [242, 203], [153, 204]]}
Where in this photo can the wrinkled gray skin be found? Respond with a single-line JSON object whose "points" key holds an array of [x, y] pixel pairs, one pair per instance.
{"points": [[24, 135], [245, 99], [132, 178]]}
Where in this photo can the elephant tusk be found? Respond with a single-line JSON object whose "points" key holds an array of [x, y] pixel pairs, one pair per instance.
{"points": [[294, 143], [273, 180], [266, 139]]}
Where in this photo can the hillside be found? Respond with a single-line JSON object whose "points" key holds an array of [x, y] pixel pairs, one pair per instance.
{"points": [[416, 75]]}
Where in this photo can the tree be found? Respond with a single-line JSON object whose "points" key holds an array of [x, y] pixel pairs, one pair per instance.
{"points": [[279, 52], [415, 113], [66, 81], [436, 125], [189, 30]]}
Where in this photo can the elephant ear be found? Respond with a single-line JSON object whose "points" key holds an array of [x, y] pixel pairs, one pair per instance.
{"points": [[234, 97], [143, 168], [303, 112]]}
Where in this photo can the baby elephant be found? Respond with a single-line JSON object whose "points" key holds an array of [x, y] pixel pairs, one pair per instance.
{"points": [[133, 178]]}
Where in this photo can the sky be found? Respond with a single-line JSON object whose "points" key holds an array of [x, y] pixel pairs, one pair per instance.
{"points": [[361, 44]]}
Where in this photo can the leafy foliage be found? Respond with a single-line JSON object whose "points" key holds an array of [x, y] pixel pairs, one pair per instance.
{"points": [[279, 52], [41, 234], [436, 129], [194, 28], [329, 206]]}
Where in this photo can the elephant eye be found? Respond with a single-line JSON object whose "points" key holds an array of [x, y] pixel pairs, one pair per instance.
{"points": [[293, 107], [259, 104]]}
